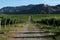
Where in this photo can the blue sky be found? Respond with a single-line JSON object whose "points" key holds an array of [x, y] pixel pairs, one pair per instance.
{"points": [[4, 3]]}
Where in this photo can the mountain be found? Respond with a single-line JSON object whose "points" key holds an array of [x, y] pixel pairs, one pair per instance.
{"points": [[31, 9]]}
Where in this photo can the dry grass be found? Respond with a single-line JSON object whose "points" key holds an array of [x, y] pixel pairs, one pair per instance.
{"points": [[14, 29]]}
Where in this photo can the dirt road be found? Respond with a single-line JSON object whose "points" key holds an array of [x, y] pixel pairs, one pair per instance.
{"points": [[30, 32]]}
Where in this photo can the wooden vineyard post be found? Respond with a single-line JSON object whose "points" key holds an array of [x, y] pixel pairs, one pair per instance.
{"points": [[5, 23], [0, 23]]}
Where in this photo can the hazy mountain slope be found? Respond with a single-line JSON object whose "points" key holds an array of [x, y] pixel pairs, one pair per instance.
{"points": [[31, 9]]}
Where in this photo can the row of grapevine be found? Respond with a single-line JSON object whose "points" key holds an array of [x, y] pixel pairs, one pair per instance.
{"points": [[8, 21]]}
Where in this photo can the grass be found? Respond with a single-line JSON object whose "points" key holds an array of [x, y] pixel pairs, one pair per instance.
{"points": [[8, 31]]}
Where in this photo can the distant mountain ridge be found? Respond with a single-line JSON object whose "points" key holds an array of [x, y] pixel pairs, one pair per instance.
{"points": [[31, 9]]}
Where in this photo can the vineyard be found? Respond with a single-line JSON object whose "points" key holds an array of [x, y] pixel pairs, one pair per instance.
{"points": [[48, 22]]}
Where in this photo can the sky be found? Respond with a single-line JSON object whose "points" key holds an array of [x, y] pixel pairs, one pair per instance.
{"points": [[4, 3]]}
